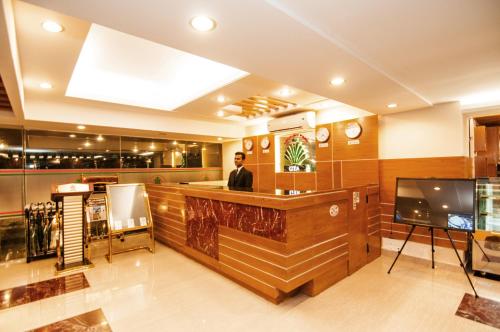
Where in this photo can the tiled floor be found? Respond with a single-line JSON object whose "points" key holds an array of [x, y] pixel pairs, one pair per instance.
{"points": [[169, 292]]}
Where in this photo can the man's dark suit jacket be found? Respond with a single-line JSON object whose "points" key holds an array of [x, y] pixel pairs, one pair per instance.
{"points": [[244, 179]]}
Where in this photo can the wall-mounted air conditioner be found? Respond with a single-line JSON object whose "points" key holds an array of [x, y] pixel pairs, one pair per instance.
{"points": [[304, 120]]}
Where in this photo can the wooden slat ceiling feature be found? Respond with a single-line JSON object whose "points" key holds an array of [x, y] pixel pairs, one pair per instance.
{"points": [[4, 99], [260, 105]]}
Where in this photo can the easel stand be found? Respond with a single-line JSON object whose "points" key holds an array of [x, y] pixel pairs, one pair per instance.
{"points": [[431, 229]]}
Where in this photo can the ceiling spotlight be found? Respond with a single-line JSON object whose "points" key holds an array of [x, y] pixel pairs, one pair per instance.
{"points": [[219, 138], [392, 105], [416, 211], [87, 144], [2, 146], [445, 206], [45, 85], [107, 150], [52, 26], [174, 142], [437, 188], [72, 135], [100, 138], [221, 99], [79, 148], [152, 146], [220, 113], [135, 150], [202, 23], [285, 92], [337, 81], [81, 127]]}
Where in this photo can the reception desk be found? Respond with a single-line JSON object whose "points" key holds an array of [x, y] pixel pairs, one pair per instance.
{"points": [[274, 243]]}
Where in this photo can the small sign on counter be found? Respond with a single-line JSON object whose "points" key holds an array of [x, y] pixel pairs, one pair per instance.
{"points": [[353, 141]]}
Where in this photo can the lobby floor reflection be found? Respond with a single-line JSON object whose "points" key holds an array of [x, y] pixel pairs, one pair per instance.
{"points": [[169, 292]]}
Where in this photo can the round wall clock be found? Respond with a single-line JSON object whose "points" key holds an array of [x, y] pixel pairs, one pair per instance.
{"points": [[353, 130], [265, 143], [323, 134], [248, 144]]}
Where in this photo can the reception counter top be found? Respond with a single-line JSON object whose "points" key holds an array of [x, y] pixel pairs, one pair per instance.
{"points": [[274, 243]]}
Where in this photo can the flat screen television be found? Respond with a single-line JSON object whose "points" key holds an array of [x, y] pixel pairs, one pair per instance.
{"points": [[439, 203]]}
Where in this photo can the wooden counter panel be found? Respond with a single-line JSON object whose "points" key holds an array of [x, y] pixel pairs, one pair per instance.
{"points": [[305, 180], [264, 200], [252, 240], [267, 177], [317, 260], [313, 224], [284, 180], [337, 272], [268, 291]]}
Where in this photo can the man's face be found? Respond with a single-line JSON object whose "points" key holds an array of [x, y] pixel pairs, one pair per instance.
{"points": [[238, 160]]}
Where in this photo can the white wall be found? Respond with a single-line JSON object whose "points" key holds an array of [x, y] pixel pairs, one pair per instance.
{"points": [[228, 151], [438, 131]]}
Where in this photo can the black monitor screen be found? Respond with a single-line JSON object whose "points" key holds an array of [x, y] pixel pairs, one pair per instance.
{"points": [[440, 203]]}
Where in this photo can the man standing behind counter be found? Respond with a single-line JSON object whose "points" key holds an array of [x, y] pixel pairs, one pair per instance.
{"points": [[240, 177]]}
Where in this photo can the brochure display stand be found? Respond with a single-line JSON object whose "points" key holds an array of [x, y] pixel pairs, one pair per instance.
{"points": [[128, 212]]}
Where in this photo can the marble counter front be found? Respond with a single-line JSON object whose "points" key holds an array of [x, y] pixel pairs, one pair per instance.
{"points": [[271, 242]]}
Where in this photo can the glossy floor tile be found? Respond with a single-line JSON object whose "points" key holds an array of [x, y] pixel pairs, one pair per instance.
{"points": [[480, 309], [166, 291], [89, 321], [20, 295]]}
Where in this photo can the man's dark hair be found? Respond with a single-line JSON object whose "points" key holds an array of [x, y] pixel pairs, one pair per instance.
{"points": [[243, 156]]}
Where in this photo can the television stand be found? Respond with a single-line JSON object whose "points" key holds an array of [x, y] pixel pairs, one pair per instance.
{"points": [[432, 240]]}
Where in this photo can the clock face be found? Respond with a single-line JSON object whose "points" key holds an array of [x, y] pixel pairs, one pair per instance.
{"points": [[353, 130], [264, 143], [248, 144], [322, 134]]}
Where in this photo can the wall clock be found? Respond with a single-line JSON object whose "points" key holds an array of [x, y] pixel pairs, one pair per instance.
{"points": [[248, 144], [323, 134], [353, 130], [265, 143]]}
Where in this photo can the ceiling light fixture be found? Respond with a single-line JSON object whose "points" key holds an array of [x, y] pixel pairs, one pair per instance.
{"points": [[81, 127], [337, 81], [437, 188], [221, 99], [392, 105], [174, 142], [445, 206], [219, 138], [202, 23], [135, 150], [72, 135], [100, 138], [45, 85], [52, 26], [87, 144], [285, 92], [220, 113]]}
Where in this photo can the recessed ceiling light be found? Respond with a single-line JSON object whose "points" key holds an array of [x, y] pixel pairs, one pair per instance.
{"points": [[202, 23], [221, 99], [152, 146], [174, 142], [100, 138], [285, 92], [220, 113], [52, 26], [416, 211], [46, 85], [87, 144], [2, 146], [219, 138], [79, 148], [437, 188], [392, 105], [72, 135], [135, 150], [337, 81], [445, 206], [81, 127], [107, 150]]}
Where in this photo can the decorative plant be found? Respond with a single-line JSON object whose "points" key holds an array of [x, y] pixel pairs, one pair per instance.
{"points": [[296, 153]]}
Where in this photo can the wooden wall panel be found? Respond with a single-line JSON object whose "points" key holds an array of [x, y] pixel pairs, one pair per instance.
{"points": [[480, 139], [284, 180], [251, 155], [254, 168], [324, 175], [266, 156], [491, 151], [337, 174], [441, 167], [305, 181], [368, 141], [267, 177], [359, 172], [324, 150]]}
